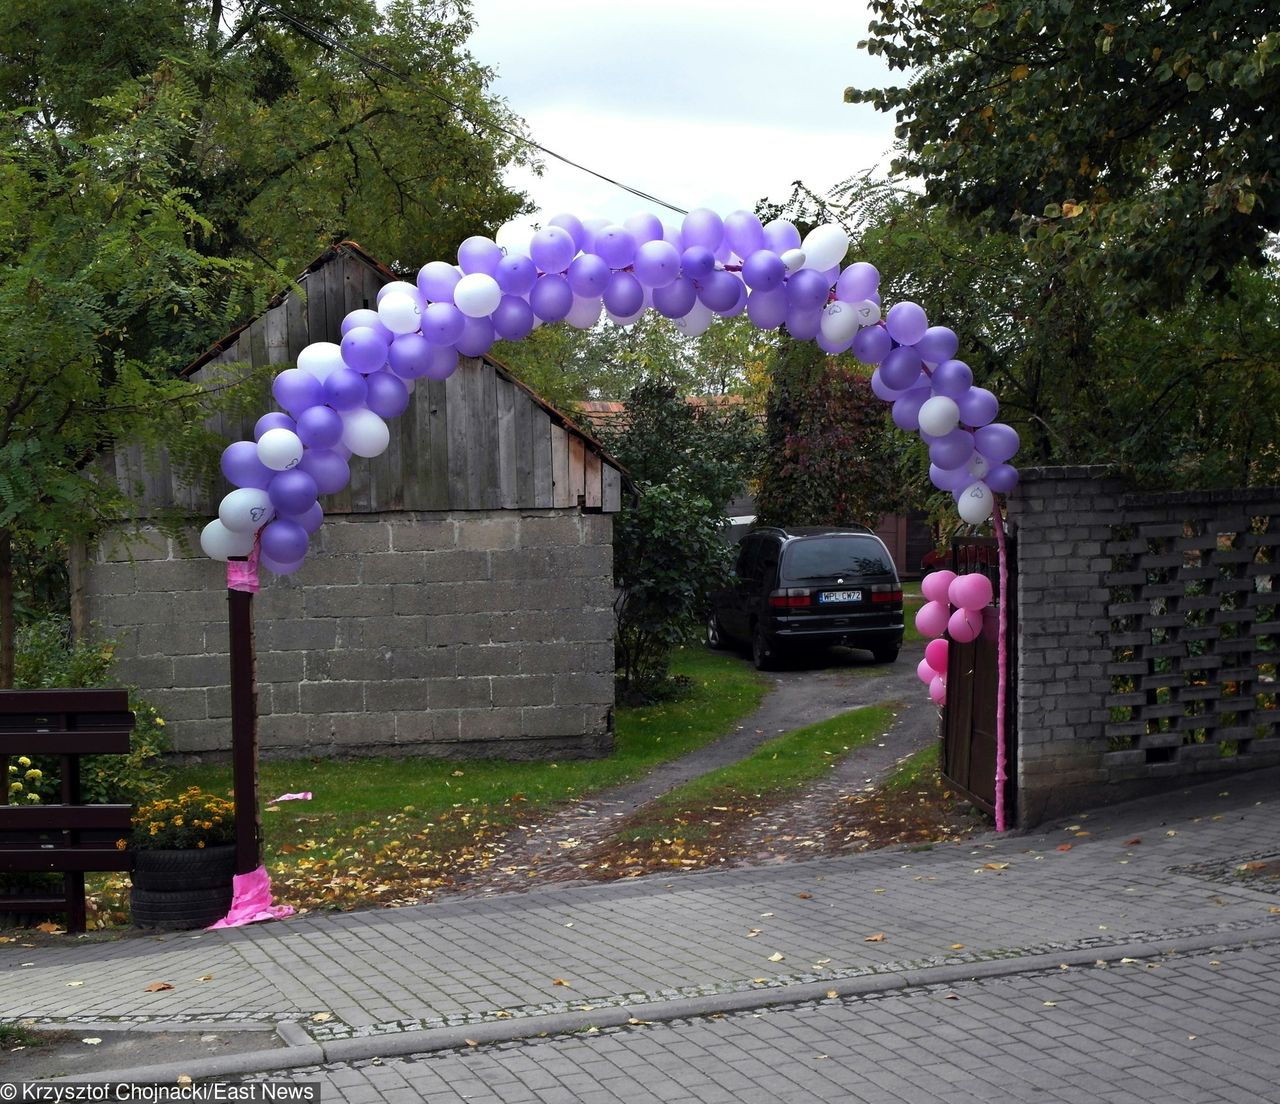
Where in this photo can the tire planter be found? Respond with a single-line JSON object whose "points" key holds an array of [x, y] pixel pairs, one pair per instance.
{"points": [[181, 890]]}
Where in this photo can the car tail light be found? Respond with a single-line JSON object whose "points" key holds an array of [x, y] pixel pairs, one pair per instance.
{"points": [[790, 598], [886, 592]]}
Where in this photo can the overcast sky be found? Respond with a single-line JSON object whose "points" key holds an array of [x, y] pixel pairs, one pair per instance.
{"points": [[703, 103]]}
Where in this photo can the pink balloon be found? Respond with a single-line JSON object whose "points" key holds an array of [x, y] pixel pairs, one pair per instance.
{"points": [[935, 655], [938, 690], [924, 672], [964, 626], [931, 619], [936, 585], [972, 591]]}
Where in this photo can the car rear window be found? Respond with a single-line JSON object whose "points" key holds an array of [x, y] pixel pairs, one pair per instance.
{"points": [[824, 557]]}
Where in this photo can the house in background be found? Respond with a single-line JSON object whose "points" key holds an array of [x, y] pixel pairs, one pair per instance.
{"points": [[457, 600]]}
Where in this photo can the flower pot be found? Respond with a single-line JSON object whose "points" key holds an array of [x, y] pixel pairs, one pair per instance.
{"points": [[182, 889]]}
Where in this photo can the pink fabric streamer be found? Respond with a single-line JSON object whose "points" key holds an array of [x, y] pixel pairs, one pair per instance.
{"points": [[251, 901], [304, 796], [243, 574], [1002, 668]]}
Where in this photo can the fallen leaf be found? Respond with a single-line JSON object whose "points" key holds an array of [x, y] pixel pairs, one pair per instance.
{"points": [[74, 984], [951, 996], [322, 1017], [1063, 847], [1082, 833], [1171, 832], [1128, 961], [1133, 842], [49, 928], [1191, 1037], [879, 891], [805, 896], [91, 1042], [1051, 1004], [205, 977], [638, 1023], [471, 1042], [759, 981], [777, 957], [502, 1014], [158, 987], [560, 981], [957, 946], [995, 866], [754, 932], [185, 1079], [877, 938], [1274, 909]]}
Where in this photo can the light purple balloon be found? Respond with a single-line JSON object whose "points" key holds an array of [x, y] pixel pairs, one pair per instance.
{"points": [[997, 442], [881, 389], [740, 304], [319, 427], [388, 396], [284, 541], [552, 248], [312, 519], [277, 568], [410, 353], [590, 228], [516, 274], [952, 450], [857, 282], [296, 389], [906, 410], [719, 291], [441, 323], [365, 317], [978, 406], [513, 318], [571, 225], [743, 232], [938, 344], [780, 236], [588, 276], [697, 262], [292, 492], [657, 263], [363, 350], [273, 420], [702, 227], [241, 466], [901, 368], [477, 337], [442, 363], [951, 378], [808, 289], [1002, 478], [615, 247], [906, 323], [763, 270], [676, 299], [551, 298], [345, 389], [479, 254], [872, 344], [833, 348], [436, 281], [767, 309], [327, 467], [644, 227], [949, 479], [623, 294], [803, 324]]}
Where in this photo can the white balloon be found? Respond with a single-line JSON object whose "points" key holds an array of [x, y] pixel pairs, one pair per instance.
{"points": [[824, 246], [584, 313], [514, 238], [245, 510], [697, 321], [280, 449], [400, 287], [939, 416], [978, 466], [477, 295], [625, 320], [364, 433], [839, 323], [321, 359], [976, 503], [400, 312], [868, 312], [220, 543], [793, 259]]}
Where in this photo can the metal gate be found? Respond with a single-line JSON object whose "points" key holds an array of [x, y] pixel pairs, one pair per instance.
{"points": [[969, 715]]}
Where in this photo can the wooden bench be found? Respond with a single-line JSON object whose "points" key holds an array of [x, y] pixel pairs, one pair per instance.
{"points": [[70, 838]]}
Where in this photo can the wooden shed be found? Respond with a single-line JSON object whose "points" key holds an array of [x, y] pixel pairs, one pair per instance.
{"points": [[458, 599]]}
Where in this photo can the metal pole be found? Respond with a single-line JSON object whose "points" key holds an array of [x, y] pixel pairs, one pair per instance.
{"points": [[244, 732]]}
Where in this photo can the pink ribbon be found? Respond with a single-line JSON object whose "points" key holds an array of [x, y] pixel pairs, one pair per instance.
{"points": [[243, 574]]}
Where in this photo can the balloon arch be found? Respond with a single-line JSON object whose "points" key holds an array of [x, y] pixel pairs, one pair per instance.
{"points": [[336, 402]]}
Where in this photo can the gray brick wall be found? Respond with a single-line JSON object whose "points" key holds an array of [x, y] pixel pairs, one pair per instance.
{"points": [[464, 634]]}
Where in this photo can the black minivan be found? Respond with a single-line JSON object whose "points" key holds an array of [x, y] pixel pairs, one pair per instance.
{"points": [[809, 586]]}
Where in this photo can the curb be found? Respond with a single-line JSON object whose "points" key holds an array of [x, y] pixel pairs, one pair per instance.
{"points": [[302, 1051]]}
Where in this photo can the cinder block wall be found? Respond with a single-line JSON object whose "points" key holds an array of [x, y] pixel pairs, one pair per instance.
{"points": [[465, 634]]}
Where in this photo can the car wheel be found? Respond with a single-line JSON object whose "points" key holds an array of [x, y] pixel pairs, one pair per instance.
{"points": [[886, 653], [716, 639], [763, 654]]}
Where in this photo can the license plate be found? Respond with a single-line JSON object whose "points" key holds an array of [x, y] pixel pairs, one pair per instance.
{"points": [[839, 596]]}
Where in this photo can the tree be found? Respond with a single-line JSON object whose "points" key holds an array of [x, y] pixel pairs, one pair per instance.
{"points": [[1137, 142]]}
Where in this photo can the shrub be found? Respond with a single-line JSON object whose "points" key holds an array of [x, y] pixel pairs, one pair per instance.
{"points": [[192, 819]]}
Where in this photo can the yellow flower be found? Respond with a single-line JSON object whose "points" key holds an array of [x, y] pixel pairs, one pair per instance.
{"points": [[155, 829], [177, 822], [121, 844], [15, 787], [200, 843], [160, 721], [34, 775], [33, 798], [23, 761]]}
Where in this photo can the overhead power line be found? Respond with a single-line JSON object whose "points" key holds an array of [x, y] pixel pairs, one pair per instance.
{"points": [[332, 43]]}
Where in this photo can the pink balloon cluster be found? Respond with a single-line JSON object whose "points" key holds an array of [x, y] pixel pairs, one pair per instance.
{"points": [[955, 606]]}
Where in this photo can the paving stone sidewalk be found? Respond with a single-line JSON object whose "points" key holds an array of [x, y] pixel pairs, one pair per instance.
{"points": [[761, 932]]}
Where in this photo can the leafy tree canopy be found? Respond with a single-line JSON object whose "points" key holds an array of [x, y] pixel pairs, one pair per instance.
{"points": [[1138, 140]]}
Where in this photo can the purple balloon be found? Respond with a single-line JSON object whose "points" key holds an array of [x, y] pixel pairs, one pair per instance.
{"points": [[312, 519], [553, 247], [363, 350], [284, 541], [857, 282], [676, 299], [702, 227], [409, 354], [997, 442], [906, 410], [293, 492], [241, 466], [740, 304], [978, 406], [881, 389], [615, 247], [588, 276], [590, 228], [327, 468], [441, 323], [697, 262], [949, 479], [319, 427], [443, 362], [1002, 478], [743, 232], [516, 274], [906, 323], [808, 289], [272, 420], [623, 295], [872, 344], [780, 236], [831, 347], [657, 263], [719, 291], [951, 378], [388, 396], [513, 318], [901, 368], [804, 324], [477, 337], [952, 450], [571, 225], [644, 227], [436, 281], [763, 270], [937, 344], [479, 254], [277, 568], [345, 389], [365, 317], [296, 389], [551, 298], [767, 309]]}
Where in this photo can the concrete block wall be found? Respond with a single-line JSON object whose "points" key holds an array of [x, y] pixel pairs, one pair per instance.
{"points": [[452, 634]]}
